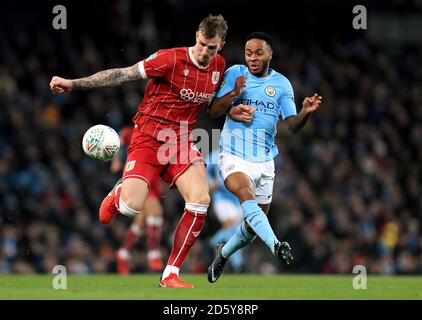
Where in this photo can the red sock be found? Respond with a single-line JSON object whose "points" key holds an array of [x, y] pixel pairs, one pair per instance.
{"points": [[154, 230], [187, 231], [117, 196], [132, 236]]}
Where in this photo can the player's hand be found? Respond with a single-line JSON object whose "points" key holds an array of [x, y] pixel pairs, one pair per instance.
{"points": [[242, 112], [240, 84], [59, 85], [310, 104]]}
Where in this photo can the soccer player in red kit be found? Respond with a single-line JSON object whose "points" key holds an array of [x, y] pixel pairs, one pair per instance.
{"points": [[181, 82], [149, 221]]}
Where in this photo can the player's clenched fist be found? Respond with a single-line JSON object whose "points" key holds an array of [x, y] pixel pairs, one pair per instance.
{"points": [[59, 85], [242, 112]]}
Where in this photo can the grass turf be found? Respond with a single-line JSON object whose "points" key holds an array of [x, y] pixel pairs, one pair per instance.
{"points": [[232, 287]]}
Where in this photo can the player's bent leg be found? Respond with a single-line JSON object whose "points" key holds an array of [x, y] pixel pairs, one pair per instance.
{"points": [[266, 209], [193, 186], [132, 197], [240, 184], [126, 197]]}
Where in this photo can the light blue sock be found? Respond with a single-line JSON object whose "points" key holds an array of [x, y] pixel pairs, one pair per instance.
{"points": [[258, 221], [241, 238]]}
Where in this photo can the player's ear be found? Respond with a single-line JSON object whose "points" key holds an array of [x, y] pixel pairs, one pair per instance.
{"points": [[222, 45]]}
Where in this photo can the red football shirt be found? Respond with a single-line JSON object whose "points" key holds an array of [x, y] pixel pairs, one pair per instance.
{"points": [[177, 91]]}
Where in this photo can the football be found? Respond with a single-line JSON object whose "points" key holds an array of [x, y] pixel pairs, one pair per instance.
{"points": [[101, 142]]}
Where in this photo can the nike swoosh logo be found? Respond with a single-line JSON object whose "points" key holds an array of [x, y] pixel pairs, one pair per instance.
{"points": [[250, 221], [212, 275]]}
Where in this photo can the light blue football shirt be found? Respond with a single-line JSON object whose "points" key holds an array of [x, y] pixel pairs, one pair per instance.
{"points": [[271, 96]]}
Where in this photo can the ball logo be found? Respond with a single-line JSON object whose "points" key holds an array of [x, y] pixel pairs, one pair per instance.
{"points": [[90, 143], [270, 91]]}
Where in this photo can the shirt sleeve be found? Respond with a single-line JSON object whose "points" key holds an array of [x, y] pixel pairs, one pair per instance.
{"points": [[157, 65], [228, 82], [286, 102]]}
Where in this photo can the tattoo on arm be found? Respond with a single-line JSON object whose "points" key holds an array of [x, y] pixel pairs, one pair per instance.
{"points": [[108, 78]]}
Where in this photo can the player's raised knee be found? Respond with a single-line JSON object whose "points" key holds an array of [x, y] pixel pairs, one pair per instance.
{"points": [[130, 206]]}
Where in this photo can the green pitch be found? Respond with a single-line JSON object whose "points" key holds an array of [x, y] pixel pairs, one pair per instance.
{"points": [[236, 287]]}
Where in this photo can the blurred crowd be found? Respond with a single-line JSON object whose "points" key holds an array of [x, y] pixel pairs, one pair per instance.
{"points": [[348, 186]]}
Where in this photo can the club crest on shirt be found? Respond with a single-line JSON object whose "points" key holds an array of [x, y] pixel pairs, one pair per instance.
{"points": [[215, 77], [229, 167], [185, 72], [270, 91], [130, 165]]}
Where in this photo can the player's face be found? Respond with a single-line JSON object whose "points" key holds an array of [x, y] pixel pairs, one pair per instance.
{"points": [[206, 49], [258, 55]]}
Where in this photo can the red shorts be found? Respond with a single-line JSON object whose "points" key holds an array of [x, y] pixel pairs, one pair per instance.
{"points": [[148, 159]]}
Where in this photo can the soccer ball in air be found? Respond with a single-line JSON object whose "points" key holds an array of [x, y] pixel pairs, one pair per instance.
{"points": [[101, 142]]}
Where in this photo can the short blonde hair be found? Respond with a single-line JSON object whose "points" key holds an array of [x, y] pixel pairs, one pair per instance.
{"points": [[213, 26]]}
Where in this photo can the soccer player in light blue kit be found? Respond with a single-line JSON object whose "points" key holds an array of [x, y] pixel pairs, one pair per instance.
{"points": [[258, 96], [226, 207]]}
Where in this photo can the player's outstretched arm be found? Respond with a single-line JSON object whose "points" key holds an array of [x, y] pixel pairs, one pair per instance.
{"points": [[219, 106], [310, 104], [106, 78]]}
